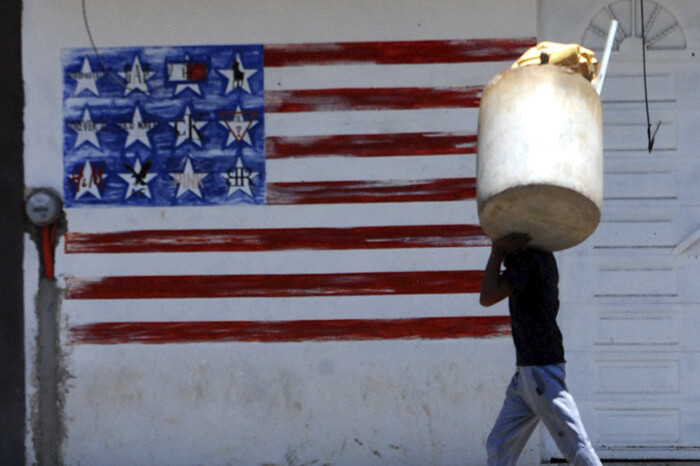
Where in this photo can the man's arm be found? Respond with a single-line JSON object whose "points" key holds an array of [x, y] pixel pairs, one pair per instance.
{"points": [[495, 288]]}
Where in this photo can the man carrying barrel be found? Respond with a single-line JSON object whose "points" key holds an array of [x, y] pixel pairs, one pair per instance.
{"points": [[537, 391]]}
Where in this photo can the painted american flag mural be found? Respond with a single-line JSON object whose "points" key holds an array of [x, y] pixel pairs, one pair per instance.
{"points": [[164, 126], [363, 154]]}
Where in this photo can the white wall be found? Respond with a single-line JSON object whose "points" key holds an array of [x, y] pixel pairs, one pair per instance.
{"points": [[628, 306], [390, 402]]}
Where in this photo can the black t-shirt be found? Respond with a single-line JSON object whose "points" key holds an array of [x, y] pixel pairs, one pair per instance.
{"points": [[534, 305]]}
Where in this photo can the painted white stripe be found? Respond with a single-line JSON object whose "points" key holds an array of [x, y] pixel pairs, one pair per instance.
{"points": [[382, 76], [461, 120], [278, 262], [107, 219], [80, 312], [371, 168]]}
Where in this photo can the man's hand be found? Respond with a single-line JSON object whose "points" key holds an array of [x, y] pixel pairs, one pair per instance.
{"points": [[493, 287], [510, 243]]}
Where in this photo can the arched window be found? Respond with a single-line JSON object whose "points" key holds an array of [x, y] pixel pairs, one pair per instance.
{"points": [[661, 28]]}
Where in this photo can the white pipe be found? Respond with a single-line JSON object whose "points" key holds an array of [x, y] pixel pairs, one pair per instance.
{"points": [[606, 57]]}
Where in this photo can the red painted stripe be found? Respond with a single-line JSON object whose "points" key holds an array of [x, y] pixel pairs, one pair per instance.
{"points": [[291, 331], [370, 145], [341, 192], [396, 53], [274, 285], [405, 98], [275, 239]]}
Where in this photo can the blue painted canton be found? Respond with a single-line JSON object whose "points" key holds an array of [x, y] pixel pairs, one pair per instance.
{"points": [[163, 126]]}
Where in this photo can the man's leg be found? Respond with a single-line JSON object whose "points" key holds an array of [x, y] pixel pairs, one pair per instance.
{"points": [[513, 428], [546, 391]]}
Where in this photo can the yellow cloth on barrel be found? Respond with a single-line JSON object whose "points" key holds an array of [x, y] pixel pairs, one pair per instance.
{"points": [[573, 56]]}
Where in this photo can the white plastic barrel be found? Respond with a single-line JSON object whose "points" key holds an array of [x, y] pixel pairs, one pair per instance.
{"points": [[540, 156]]}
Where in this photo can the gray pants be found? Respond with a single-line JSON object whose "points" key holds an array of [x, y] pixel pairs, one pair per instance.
{"points": [[534, 393]]}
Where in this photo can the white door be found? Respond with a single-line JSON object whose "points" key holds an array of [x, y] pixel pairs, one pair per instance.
{"points": [[630, 305]]}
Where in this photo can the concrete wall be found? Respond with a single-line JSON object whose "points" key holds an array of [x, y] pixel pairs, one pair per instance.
{"points": [[343, 402]]}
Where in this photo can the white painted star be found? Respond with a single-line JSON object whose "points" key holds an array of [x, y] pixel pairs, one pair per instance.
{"points": [[86, 78], [137, 129], [136, 77], [238, 127], [88, 181], [237, 76], [239, 178], [191, 86], [138, 179], [188, 180], [86, 129], [187, 129]]}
